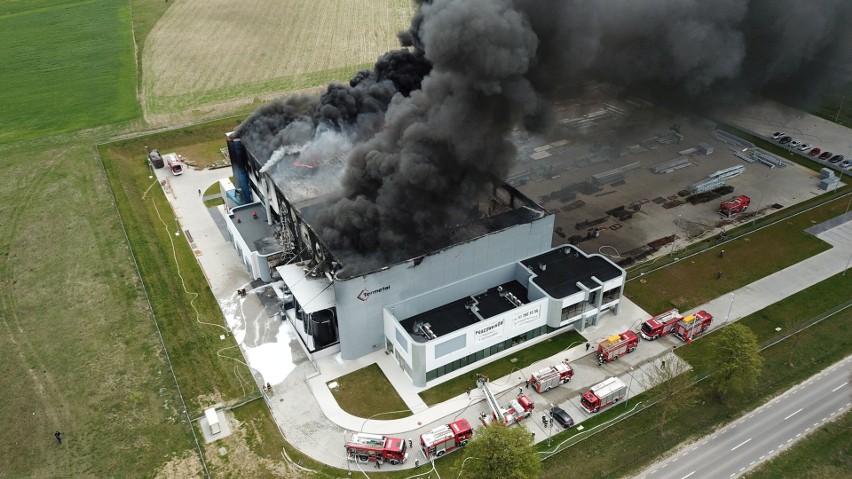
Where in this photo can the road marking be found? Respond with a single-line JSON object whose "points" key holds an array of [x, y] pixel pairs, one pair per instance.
{"points": [[770, 452], [808, 429], [760, 458], [742, 469], [791, 415], [752, 462], [732, 475], [691, 473], [788, 440], [823, 419], [675, 459], [694, 448], [838, 387], [741, 444], [797, 435], [816, 424]]}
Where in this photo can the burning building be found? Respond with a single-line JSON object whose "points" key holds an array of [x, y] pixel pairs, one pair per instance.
{"points": [[485, 287]]}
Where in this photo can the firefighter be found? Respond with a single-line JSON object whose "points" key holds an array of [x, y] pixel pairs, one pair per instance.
{"points": [[416, 463], [719, 275], [722, 254], [587, 347]]}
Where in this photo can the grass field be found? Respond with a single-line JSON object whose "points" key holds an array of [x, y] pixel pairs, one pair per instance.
{"points": [[367, 393], [79, 347], [692, 282], [201, 53], [67, 65], [826, 453]]}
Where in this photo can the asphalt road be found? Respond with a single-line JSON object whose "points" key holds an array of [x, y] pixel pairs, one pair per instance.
{"points": [[764, 432]]}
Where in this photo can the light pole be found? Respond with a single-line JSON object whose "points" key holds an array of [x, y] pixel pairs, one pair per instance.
{"points": [[674, 236], [760, 200], [627, 398], [731, 307], [550, 426]]}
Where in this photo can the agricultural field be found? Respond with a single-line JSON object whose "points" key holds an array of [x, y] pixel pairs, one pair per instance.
{"points": [[81, 349], [67, 65], [204, 53]]}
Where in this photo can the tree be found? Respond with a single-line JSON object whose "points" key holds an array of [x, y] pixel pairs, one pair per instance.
{"points": [[499, 451], [736, 362], [670, 383]]}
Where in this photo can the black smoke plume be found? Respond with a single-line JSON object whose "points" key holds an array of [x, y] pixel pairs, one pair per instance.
{"points": [[429, 125]]}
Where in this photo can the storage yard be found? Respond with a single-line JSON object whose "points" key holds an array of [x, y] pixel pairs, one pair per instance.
{"points": [[616, 200]]}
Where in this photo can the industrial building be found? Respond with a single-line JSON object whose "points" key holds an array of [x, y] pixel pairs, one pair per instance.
{"points": [[482, 290]]}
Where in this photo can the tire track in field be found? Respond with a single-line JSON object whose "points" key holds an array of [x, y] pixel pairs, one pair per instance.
{"points": [[29, 360]]}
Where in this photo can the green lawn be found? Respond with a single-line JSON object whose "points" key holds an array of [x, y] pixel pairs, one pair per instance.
{"points": [[367, 393], [502, 367], [67, 66], [692, 282], [825, 453]]}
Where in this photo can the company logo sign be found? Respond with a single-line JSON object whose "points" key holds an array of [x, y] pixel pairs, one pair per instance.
{"points": [[488, 332], [365, 294]]}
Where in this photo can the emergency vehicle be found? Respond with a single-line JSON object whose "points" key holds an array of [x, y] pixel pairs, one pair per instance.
{"points": [[548, 378], [660, 325], [693, 325], [616, 346], [603, 395], [373, 447], [444, 439]]}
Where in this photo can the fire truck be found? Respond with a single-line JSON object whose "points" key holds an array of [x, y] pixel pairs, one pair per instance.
{"points": [[518, 409], [373, 447], [734, 206], [444, 439], [548, 378], [173, 163], [660, 325], [617, 345], [693, 325], [603, 395]]}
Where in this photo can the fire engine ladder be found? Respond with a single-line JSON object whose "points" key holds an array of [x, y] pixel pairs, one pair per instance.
{"points": [[490, 399]]}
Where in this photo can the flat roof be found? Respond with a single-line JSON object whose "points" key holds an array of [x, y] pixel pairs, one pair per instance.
{"points": [[250, 221], [564, 267], [453, 316], [312, 293]]}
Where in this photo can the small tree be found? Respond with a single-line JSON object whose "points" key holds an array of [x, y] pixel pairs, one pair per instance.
{"points": [[736, 360], [671, 386], [499, 451]]}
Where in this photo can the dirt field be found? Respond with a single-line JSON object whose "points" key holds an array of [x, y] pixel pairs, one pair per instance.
{"points": [[207, 52]]}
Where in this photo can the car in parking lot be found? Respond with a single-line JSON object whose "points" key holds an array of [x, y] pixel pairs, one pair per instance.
{"points": [[795, 143], [785, 140], [815, 152], [836, 159], [805, 147], [563, 418], [825, 155], [845, 164], [778, 134]]}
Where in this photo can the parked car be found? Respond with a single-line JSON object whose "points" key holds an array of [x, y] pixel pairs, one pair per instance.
{"points": [[795, 143], [785, 140], [825, 155], [805, 147], [815, 152], [836, 159], [563, 418], [778, 134], [845, 164]]}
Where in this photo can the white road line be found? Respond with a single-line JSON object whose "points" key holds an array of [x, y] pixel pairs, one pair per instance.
{"points": [[816, 424], [797, 435], [741, 444], [791, 415], [823, 419], [694, 448], [838, 387], [742, 469], [732, 475], [691, 473]]}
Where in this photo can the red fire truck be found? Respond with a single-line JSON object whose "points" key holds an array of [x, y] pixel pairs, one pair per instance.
{"points": [[518, 409], [373, 447], [603, 395], [617, 345], [693, 325], [548, 378], [660, 325], [444, 439]]}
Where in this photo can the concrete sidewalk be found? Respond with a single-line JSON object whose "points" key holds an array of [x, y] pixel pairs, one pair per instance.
{"points": [[304, 407]]}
